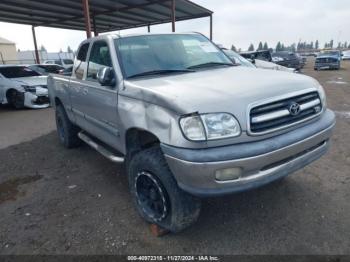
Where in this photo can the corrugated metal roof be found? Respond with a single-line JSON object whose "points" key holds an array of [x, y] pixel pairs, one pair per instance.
{"points": [[5, 41], [109, 15]]}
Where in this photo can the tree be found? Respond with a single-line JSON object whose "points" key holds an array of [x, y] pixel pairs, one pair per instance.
{"points": [[278, 47], [260, 47], [331, 43], [69, 50], [292, 48], [42, 48], [317, 44], [251, 47], [233, 48], [266, 47]]}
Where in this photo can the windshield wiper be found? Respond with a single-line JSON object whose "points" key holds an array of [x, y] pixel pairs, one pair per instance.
{"points": [[160, 72], [210, 64]]}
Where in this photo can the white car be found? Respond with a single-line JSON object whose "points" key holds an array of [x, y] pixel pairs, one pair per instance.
{"points": [[268, 65], [66, 62], [22, 87], [346, 55]]}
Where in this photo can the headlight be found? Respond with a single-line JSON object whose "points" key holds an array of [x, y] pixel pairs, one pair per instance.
{"points": [[210, 126], [322, 96], [31, 89]]}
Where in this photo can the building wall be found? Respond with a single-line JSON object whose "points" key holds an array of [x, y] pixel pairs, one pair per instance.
{"points": [[8, 54]]}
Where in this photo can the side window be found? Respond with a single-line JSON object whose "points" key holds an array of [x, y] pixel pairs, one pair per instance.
{"points": [[99, 58], [80, 62], [58, 62]]}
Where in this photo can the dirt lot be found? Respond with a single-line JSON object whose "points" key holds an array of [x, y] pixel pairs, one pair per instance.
{"points": [[57, 201]]}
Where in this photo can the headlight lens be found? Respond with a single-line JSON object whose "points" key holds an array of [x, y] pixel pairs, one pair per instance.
{"points": [[210, 126], [193, 128], [31, 89], [322, 96]]}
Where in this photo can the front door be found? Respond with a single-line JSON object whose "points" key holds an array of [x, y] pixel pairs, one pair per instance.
{"points": [[99, 103]]}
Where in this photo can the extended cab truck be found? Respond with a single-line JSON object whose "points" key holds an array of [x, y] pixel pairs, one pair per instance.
{"points": [[186, 121]]}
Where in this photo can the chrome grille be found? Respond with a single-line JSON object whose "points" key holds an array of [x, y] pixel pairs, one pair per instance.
{"points": [[284, 113]]}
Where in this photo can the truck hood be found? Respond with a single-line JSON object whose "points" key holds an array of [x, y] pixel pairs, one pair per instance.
{"points": [[229, 90], [31, 81]]}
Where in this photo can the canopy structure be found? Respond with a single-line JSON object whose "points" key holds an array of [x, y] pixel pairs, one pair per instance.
{"points": [[99, 16]]}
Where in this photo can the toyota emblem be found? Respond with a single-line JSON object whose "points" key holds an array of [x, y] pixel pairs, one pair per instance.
{"points": [[294, 109]]}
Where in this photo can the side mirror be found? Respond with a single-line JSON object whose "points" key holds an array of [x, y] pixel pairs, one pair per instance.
{"points": [[106, 76]]}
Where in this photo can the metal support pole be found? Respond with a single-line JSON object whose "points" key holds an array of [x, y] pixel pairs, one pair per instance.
{"points": [[94, 25], [37, 58], [149, 28], [86, 9], [211, 27], [173, 15]]}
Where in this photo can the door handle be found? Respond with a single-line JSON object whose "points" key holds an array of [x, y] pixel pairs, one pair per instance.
{"points": [[85, 91]]}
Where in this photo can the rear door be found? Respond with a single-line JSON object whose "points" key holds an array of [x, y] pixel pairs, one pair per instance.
{"points": [[99, 103]]}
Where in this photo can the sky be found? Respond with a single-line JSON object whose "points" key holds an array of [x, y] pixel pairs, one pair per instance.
{"points": [[238, 22]]}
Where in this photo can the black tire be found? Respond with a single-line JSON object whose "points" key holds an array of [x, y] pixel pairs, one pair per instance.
{"points": [[15, 99], [67, 132], [169, 207]]}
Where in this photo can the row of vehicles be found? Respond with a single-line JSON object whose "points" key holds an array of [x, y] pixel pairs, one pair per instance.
{"points": [[26, 85], [187, 120]]}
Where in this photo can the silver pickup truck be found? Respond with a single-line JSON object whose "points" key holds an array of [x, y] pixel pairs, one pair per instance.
{"points": [[186, 121]]}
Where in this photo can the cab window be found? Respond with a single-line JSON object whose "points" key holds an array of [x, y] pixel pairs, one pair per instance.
{"points": [[99, 58]]}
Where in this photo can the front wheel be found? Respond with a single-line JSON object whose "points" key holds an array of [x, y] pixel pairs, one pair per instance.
{"points": [[157, 197], [15, 99]]}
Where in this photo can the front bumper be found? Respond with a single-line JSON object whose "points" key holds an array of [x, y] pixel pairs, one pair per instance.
{"points": [[262, 162], [37, 100], [327, 66]]}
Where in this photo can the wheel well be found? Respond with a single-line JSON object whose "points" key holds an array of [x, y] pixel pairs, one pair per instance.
{"points": [[8, 93], [57, 101], [137, 140]]}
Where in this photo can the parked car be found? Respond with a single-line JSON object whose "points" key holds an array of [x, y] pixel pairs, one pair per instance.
{"points": [[66, 71], [288, 59], [46, 69], [239, 60], [328, 60], [186, 121], [62, 62], [264, 55], [346, 55], [21, 87]]}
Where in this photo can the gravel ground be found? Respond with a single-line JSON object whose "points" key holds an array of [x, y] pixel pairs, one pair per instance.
{"points": [[58, 201]]}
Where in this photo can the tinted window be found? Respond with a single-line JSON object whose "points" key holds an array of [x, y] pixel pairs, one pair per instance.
{"points": [[17, 71], [140, 54], [58, 62], [68, 61], [99, 58], [80, 61]]}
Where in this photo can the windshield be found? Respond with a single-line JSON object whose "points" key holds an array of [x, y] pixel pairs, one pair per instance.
{"points": [[237, 59], [17, 71], [68, 61], [168, 53]]}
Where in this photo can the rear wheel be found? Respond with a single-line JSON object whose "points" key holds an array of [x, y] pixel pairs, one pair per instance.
{"points": [[67, 131], [15, 99], [156, 195]]}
